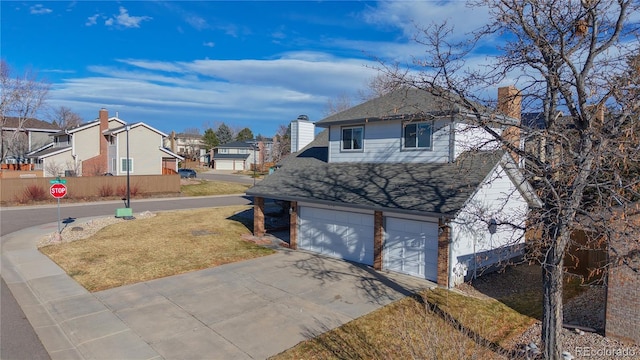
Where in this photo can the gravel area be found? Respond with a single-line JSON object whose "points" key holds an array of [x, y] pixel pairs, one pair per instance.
{"points": [[79, 231]]}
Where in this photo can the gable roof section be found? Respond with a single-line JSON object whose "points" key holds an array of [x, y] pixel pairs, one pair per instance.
{"points": [[230, 156], [13, 123], [171, 153], [134, 125], [426, 188], [48, 151]]}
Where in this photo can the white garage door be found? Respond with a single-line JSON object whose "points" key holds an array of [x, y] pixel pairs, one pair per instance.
{"points": [[341, 234], [224, 164], [411, 247]]}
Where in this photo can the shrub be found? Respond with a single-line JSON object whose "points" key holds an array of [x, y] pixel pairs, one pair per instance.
{"points": [[34, 193], [105, 190], [122, 190]]}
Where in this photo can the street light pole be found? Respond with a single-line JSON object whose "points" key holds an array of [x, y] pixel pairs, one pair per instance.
{"points": [[128, 170], [255, 144]]}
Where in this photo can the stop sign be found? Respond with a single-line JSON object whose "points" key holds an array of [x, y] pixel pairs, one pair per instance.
{"points": [[58, 190]]}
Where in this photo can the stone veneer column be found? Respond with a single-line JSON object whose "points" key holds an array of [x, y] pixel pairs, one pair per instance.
{"points": [[378, 238], [293, 225], [444, 237], [258, 216]]}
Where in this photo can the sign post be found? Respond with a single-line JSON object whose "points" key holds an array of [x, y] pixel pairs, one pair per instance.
{"points": [[58, 190]]}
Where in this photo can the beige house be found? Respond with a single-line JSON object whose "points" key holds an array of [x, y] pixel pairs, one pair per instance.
{"points": [[100, 147], [20, 136]]}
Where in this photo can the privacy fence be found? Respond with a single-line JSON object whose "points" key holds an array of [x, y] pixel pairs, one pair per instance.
{"points": [[14, 190]]}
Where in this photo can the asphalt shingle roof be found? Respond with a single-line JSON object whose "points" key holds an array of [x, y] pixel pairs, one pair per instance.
{"points": [[30, 123], [420, 187]]}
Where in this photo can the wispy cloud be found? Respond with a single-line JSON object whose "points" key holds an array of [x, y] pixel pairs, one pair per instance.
{"points": [[39, 9], [209, 44], [125, 20], [92, 20]]}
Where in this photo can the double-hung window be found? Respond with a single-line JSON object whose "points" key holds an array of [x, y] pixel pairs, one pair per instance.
{"points": [[417, 135], [124, 165], [352, 138]]}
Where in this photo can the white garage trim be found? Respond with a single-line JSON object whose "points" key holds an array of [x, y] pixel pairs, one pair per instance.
{"points": [[228, 164], [411, 247], [337, 233]]}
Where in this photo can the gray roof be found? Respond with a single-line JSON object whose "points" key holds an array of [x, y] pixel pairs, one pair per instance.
{"points": [[230, 156], [403, 103], [234, 145], [29, 123], [47, 151], [404, 187]]}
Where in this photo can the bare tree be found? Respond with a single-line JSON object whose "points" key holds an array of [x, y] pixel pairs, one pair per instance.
{"points": [[281, 143], [65, 118], [571, 61], [335, 105], [21, 96]]}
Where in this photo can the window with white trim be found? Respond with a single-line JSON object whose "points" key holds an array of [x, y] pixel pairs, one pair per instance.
{"points": [[124, 164], [417, 135], [352, 138]]}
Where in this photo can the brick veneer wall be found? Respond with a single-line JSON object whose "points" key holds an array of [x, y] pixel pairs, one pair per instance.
{"points": [[258, 216], [444, 239], [293, 225], [623, 298]]}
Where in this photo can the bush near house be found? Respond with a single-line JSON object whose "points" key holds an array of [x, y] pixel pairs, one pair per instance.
{"points": [[33, 193]]}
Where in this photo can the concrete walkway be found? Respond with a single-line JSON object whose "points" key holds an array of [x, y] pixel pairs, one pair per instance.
{"points": [[247, 310]]}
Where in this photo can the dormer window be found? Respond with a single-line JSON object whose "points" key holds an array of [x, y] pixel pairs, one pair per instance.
{"points": [[352, 138], [417, 135]]}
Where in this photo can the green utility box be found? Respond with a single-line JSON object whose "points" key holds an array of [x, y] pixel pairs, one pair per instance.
{"points": [[124, 212]]}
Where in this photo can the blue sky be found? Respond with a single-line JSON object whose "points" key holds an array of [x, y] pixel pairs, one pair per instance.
{"points": [[194, 64]]}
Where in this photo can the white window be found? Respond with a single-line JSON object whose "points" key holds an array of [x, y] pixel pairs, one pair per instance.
{"points": [[223, 151], [352, 138], [417, 135], [124, 164]]}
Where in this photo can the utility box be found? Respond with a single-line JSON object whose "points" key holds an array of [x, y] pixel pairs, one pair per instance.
{"points": [[124, 212]]}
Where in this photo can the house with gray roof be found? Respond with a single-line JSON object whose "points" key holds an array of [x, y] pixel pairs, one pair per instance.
{"points": [[236, 155], [19, 136], [405, 183]]}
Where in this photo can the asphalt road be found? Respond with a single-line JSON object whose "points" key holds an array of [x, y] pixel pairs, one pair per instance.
{"points": [[18, 340]]}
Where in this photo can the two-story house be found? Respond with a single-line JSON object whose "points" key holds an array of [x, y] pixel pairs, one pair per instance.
{"points": [[18, 137], [405, 183], [189, 146], [236, 155], [101, 146]]}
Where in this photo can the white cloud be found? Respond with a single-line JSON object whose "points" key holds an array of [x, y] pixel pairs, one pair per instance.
{"points": [[209, 44], [92, 20], [39, 9], [125, 20]]}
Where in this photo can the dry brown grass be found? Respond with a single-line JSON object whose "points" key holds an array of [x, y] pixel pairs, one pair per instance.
{"points": [[438, 324], [168, 244]]}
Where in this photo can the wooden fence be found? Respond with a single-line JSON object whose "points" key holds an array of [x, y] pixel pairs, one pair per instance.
{"points": [[89, 187]]}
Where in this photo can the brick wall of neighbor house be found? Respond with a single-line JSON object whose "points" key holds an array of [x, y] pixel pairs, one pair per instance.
{"points": [[510, 104], [623, 294], [444, 240], [98, 164]]}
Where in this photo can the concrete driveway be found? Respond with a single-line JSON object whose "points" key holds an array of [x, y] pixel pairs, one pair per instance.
{"points": [[247, 310], [252, 309]]}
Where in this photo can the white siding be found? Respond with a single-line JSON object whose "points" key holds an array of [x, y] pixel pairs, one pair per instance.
{"points": [[473, 138], [382, 144], [302, 133], [496, 198]]}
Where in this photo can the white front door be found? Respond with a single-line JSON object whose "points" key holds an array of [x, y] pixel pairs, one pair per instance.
{"points": [[341, 234], [411, 247]]}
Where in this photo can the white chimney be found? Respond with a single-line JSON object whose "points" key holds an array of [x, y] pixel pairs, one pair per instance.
{"points": [[302, 133]]}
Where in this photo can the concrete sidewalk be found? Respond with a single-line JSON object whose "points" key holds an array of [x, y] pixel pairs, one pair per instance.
{"points": [[247, 310]]}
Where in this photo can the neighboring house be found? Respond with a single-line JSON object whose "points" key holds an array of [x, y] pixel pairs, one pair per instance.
{"points": [[395, 183], [21, 136], [236, 155], [100, 147], [189, 146]]}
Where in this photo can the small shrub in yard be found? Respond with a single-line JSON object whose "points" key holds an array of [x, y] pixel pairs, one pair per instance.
{"points": [[34, 193], [105, 190], [122, 190]]}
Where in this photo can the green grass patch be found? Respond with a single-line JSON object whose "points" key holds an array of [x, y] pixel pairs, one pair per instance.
{"points": [[206, 188]]}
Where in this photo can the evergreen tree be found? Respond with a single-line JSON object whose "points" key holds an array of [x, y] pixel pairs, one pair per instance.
{"points": [[210, 139], [244, 135], [224, 134]]}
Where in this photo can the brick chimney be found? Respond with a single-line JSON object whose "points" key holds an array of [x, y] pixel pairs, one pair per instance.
{"points": [[510, 104]]}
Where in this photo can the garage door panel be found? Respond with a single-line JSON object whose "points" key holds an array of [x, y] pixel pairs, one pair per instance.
{"points": [[336, 233], [411, 247]]}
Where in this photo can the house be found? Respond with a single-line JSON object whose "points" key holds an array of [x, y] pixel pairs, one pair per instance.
{"points": [[189, 146], [400, 183], [101, 146], [236, 155], [18, 137]]}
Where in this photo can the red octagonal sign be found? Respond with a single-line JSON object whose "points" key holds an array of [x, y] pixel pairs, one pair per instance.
{"points": [[58, 190]]}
